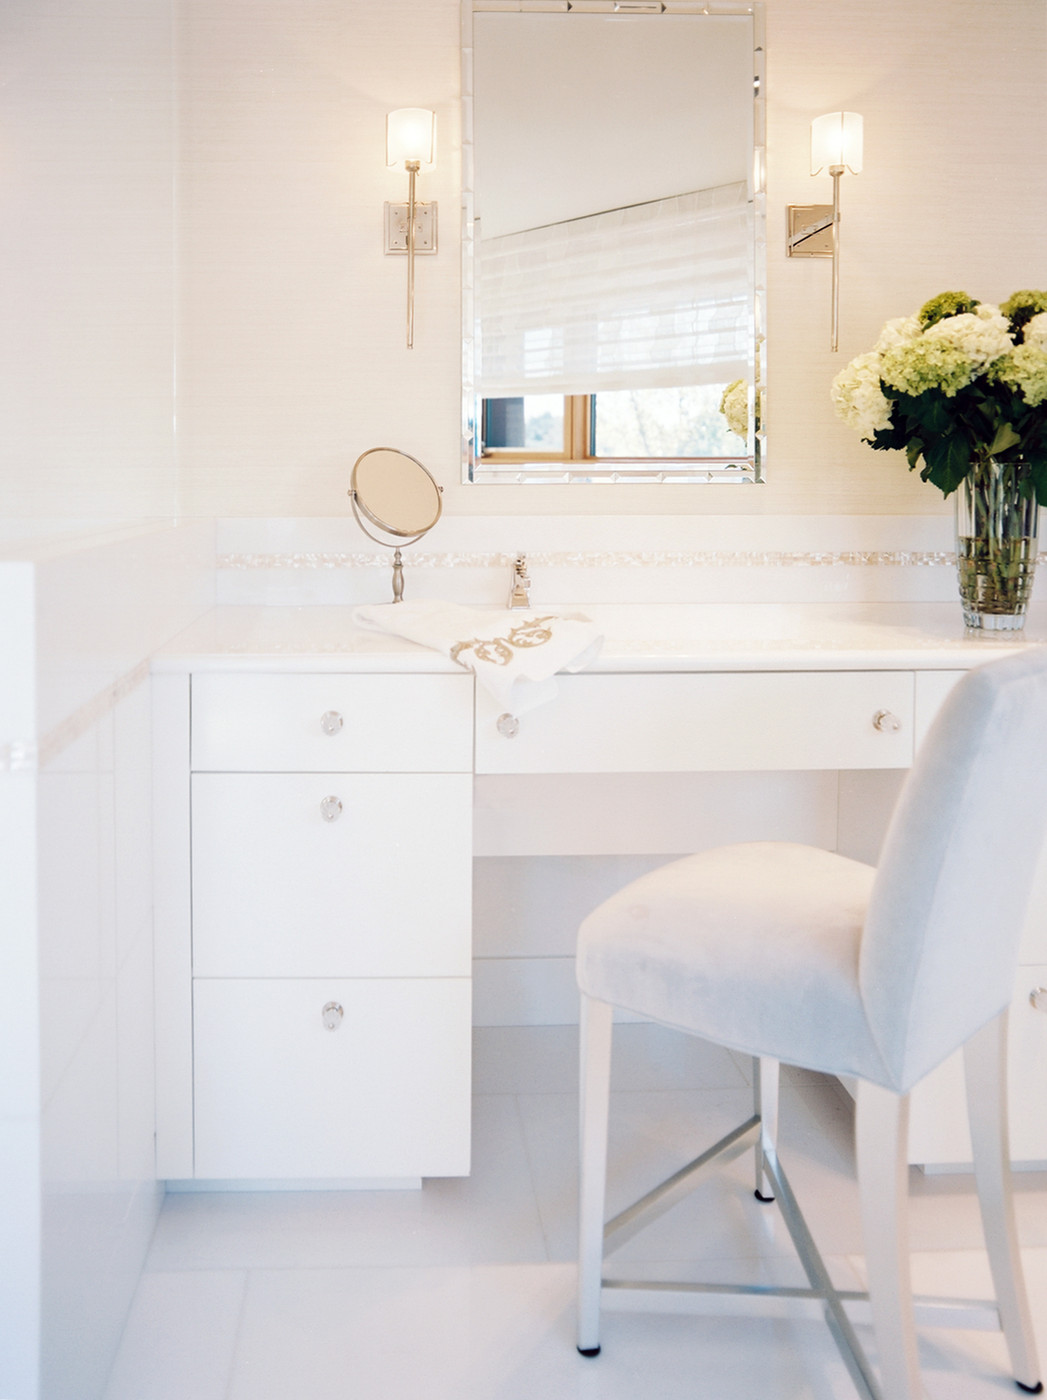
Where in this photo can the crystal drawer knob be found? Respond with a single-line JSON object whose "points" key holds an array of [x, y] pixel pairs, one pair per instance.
{"points": [[886, 722], [508, 726], [332, 1015], [331, 809], [331, 721], [1038, 998]]}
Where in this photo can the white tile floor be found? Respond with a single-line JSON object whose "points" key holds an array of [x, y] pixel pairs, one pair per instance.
{"points": [[463, 1291]]}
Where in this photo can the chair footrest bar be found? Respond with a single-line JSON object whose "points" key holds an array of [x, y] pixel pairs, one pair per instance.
{"points": [[665, 1195], [771, 1300]]}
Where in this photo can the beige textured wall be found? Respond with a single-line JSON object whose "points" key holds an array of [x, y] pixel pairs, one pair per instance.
{"points": [[289, 334], [291, 350], [86, 259]]}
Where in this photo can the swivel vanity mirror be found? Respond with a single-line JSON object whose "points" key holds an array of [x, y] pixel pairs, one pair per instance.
{"points": [[396, 495], [613, 272]]}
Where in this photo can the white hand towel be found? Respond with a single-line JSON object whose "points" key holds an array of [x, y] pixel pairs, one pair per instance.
{"points": [[514, 655]]}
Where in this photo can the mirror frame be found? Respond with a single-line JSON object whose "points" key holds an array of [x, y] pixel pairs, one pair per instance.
{"points": [[359, 505], [748, 467]]}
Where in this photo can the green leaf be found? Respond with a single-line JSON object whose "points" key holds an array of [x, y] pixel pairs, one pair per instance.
{"points": [[948, 462], [1005, 437], [913, 452], [931, 410]]}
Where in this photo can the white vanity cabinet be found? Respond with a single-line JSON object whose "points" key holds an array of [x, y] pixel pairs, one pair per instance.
{"points": [[313, 860], [326, 879]]}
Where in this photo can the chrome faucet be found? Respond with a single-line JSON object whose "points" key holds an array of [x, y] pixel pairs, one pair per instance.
{"points": [[518, 597]]}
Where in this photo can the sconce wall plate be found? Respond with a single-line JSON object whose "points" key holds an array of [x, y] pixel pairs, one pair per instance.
{"points": [[396, 216], [810, 231]]}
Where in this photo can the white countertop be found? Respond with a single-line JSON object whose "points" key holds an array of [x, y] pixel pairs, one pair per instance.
{"points": [[638, 637]]}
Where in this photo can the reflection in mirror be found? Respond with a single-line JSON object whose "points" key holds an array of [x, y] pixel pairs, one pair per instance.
{"points": [[613, 275], [397, 496]]}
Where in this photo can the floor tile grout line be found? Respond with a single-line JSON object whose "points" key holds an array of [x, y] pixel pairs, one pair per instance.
{"points": [[237, 1334], [535, 1195]]}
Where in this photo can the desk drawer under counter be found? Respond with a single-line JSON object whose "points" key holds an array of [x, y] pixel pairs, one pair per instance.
{"points": [[331, 723], [706, 721]]}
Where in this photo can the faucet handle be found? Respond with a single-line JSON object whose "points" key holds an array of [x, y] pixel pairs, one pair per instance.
{"points": [[521, 583]]}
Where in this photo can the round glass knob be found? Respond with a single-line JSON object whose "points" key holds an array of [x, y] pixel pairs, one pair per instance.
{"points": [[508, 726], [1038, 998], [332, 1015], [886, 722], [331, 809], [331, 721]]}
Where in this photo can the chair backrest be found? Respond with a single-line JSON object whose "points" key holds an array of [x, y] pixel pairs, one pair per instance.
{"points": [[945, 919]]}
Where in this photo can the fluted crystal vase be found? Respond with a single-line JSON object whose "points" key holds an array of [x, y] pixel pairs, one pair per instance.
{"points": [[996, 544]]}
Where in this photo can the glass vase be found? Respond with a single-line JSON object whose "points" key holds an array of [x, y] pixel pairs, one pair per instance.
{"points": [[996, 543]]}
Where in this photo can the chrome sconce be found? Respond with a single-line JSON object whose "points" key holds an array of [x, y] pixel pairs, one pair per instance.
{"points": [[814, 229], [410, 228]]}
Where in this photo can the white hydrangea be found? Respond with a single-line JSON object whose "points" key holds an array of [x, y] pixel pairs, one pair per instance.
{"points": [[900, 331], [734, 405], [981, 335], [1036, 331], [858, 398]]}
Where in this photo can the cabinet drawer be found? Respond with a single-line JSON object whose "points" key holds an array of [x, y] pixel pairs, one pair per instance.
{"points": [[717, 721], [329, 723], [384, 890], [386, 1094]]}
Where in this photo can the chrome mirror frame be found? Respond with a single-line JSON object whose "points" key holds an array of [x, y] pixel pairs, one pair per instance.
{"points": [[747, 467]]}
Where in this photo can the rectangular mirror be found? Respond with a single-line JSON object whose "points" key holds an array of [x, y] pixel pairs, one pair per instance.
{"points": [[613, 278]]}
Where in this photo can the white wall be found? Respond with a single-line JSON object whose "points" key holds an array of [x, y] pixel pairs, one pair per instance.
{"points": [[201, 182], [87, 244], [79, 1196]]}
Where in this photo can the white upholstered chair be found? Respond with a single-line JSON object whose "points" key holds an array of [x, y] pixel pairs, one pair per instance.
{"points": [[789, 953]]}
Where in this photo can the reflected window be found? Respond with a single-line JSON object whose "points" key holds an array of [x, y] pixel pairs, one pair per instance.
{"points": [[684, 424]]}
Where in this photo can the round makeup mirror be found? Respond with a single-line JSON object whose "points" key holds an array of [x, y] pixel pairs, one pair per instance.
{"points": [[396, 495]]}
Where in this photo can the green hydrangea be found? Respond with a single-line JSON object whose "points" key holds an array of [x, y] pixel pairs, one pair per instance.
{"points": [[1024, 369], [927, 364], [945, 304], [1021, 307]]}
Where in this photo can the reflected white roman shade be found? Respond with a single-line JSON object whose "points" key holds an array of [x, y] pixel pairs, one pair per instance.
{"points": [[655, 295]]}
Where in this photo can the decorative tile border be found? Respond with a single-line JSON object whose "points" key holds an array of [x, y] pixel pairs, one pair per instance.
{"points": [[26, 756], [612, 559]]}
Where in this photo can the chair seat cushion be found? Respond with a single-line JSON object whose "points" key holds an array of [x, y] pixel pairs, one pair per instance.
{"points": [[753, 946]]}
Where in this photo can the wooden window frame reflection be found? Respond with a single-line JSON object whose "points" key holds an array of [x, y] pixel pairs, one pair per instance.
{"points": [[577, 436], [579, 419]]}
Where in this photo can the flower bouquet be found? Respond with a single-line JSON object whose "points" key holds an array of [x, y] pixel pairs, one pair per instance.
{"points": [[962, 387]]}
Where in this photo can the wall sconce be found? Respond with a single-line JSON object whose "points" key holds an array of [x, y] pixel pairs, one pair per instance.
{"points": [[814, 229], [410, 228]]}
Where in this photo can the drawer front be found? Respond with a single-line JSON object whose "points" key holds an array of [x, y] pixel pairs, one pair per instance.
{"points": [[332, 723], [282, 890], [384, 1094], [706, 722]]}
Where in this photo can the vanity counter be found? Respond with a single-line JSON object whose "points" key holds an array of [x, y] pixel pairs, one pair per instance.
{"points": [[640, 637]]}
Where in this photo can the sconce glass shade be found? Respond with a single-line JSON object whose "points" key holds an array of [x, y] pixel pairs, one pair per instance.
{"points": [[836, 139], [409, 135]]}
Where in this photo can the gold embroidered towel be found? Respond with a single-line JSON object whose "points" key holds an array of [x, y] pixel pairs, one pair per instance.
{"points": [[513, 654]]}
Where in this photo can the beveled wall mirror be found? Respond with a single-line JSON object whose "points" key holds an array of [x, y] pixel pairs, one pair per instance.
{"points": [[613, 241]]}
